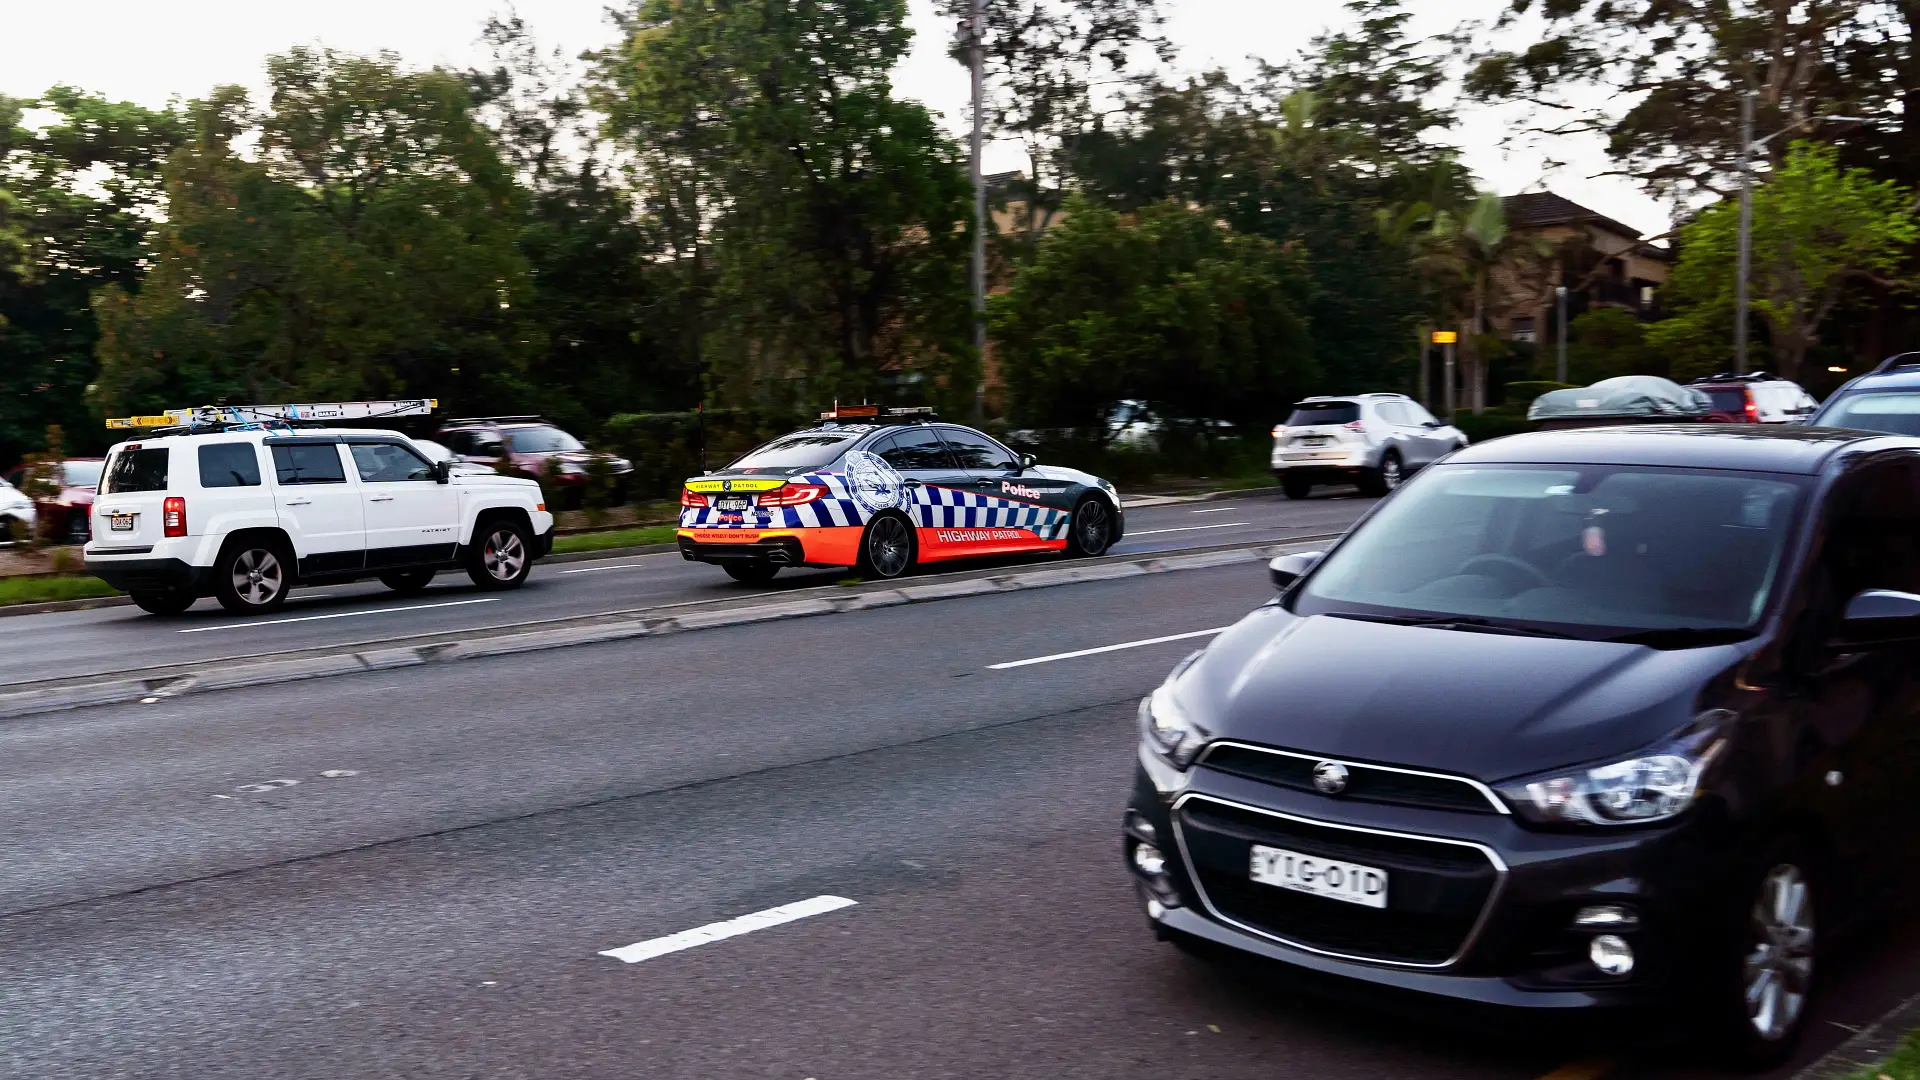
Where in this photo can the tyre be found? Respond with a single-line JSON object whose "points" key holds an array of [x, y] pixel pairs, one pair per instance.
{"points": [[1090, 532], [1380, 481], [886, 548], [750, 572], [1295, 487], [252, 577], [501, 555], [407, 582], [163, 601], [1763, 977]]}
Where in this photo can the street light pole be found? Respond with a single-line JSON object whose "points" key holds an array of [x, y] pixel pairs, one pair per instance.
{"points": [[1560, 365], [976, 62], [1745, 258]]}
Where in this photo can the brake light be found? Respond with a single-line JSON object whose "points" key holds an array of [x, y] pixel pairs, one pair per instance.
{"points": [[1355, 425], [173, 516], [792, 495], [689, 498], [1753, 410], [1279, 431]]}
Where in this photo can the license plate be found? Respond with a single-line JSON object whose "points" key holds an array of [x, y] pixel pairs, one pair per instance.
{"points": [[1311, 874], [120, 522], [1314, 440], [735, 502]]}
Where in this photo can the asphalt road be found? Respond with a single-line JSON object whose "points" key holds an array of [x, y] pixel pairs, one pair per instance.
{"points": [[461, 843], [75, 643]]}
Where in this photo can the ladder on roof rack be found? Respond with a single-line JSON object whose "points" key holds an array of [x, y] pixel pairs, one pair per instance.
{"points": [[244, 416]]}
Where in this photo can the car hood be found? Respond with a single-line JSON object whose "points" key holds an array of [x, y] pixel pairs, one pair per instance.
{"points": [[1065, 475], [489, 478], [1485, 705]]}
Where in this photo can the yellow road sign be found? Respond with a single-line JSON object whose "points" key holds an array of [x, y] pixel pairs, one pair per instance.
{"points": [[1445, 337]]}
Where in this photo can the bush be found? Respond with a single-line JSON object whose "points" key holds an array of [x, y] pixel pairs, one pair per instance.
{"points": [[1505, 420], [666, 447]]}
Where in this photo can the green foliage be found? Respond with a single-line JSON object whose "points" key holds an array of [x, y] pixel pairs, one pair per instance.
{"points": [[1508, 419], [1173, 309], [43, 590], [666, 448], [1522, 393], [1816, 230], [369, 252], [1607, 342], [613, 538]]}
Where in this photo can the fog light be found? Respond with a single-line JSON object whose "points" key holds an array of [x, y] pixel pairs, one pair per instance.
{"points": [[1611, 954], [1138, 827], [1148, 860], [1607, 917]]}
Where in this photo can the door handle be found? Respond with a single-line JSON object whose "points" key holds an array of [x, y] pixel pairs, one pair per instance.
{"points": [[299, 502], [911, 482], [984, 482], [381, 498]]}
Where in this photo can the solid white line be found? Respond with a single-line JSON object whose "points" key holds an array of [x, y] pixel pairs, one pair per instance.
{"points": [[1105, 648], [720, 931], [1186, 528], [591, 569], [1213, 510], [335, 615]]}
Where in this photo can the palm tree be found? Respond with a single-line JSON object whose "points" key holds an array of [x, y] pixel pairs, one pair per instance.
{"points": [[1465, 251]]}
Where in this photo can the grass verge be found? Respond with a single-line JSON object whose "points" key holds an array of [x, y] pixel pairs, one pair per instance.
{"points": [[42, 590], [1902, 1064], [616, 538]]}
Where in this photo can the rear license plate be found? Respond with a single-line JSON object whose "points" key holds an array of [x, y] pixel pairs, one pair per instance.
{"points": [[120, 522], [1331, 878], [1314, 440], [732, 502]]}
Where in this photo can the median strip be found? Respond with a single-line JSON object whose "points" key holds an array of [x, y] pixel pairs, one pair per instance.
{"points": [[111, 688]]}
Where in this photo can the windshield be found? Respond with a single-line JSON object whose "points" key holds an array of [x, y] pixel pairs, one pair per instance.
{"points": [[1624, 548], [1889, 411], [798, 452], [540, 440], [81, 473]]}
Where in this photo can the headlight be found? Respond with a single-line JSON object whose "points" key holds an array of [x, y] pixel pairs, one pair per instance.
{"points": [[1168, 729], [570, 469], [1650, 786]]}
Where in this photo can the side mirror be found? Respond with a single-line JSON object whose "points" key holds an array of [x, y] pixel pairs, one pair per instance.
{"points": [[1028, 461], [442, 471], [1880, 616], [1431, 424], [1288, 569]]}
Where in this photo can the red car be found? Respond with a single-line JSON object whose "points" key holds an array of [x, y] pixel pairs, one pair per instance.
{"points": [[67, 517], [528, 443]]}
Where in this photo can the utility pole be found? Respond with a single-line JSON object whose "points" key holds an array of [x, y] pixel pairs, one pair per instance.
{"points": [[1445, 339], [1745, 259], [1560, 364], [976, 62]]}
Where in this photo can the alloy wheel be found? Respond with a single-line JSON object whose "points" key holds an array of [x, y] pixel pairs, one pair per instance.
{"points": [[1092, 526], [1779, 967], [1390, 473], [888, 548], [504, 555], [258, 576]]}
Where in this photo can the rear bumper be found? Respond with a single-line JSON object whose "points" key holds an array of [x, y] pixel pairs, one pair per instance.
{"points": [[827, 546], [160, 575], [1345, 461]]}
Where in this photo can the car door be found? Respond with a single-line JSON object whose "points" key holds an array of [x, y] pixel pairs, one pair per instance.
{"points": [[1397, 429], [319, 508], [1009, 509], [411, 517], [932, 478], [1436, 439]]}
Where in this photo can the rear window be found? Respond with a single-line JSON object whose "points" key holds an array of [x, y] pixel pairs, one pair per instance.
{"points": [[1309, 413], [801, 451], [1727, 399], [136, 468], [224, 465], [314, 463], [1889, 411]]}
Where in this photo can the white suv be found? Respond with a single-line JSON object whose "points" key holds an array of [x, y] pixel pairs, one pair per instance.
{"points": [[1373, 440], [244, 515]]}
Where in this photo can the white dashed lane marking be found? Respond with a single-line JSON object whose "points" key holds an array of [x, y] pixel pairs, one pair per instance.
{"points": [[1104, 649], [720, 931], [596, 569], [1187, 528], [253, 624]]}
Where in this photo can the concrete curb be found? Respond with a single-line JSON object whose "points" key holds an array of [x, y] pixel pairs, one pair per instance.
{"points": [[1868, 1047], [604, 627]]}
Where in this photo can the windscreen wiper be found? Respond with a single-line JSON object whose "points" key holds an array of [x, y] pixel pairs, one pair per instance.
{"points": [[1465, 623], [1684, 637]]}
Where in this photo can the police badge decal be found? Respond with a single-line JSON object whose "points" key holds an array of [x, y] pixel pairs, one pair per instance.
{"points": [[874, 483]]}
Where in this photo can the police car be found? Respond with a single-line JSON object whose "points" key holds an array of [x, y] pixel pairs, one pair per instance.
{"points": [[244, 502], [882, 490]]}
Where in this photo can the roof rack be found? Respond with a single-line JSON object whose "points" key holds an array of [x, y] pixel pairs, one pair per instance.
{"points": [[1729, 376], [1897, 360], [245, 417], [876, 414], [450, 421]]}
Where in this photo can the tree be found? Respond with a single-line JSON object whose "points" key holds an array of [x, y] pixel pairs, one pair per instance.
{"points": [[1472, 249], [823, 217], [368, 251], [1607, 342], [1374, 81], [78, 196], [1816, 230], [1164, 306]]}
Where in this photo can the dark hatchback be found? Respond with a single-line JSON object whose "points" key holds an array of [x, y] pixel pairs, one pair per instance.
{"points": [[1622, 717]]}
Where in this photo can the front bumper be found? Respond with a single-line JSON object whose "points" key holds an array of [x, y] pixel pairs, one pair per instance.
{"points": [[1511, 943]]}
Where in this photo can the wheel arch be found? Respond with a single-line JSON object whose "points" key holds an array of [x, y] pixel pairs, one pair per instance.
{"points": [[517, 514]]}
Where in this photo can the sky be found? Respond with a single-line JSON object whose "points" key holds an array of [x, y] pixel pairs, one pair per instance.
{"points": [[148, 52]]}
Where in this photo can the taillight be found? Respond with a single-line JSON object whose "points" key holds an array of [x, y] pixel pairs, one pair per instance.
{"points": [[1279, 431], [688, 497], [1355, 425], [1753, 410], [792, 495], [173, 516]]}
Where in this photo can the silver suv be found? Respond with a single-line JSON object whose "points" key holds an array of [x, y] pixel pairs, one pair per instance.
{"points": [[1373, 440]]}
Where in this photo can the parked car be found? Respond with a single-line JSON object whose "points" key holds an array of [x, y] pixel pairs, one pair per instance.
{"points": [[1620, 718], [66, 517], [1624, 399], [527, 443], [17, 513], [1885, 399], [1756, 398], [1373, 440]]}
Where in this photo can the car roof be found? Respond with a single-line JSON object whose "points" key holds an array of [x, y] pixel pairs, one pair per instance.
{"points": [[1374, 396], [1897, 379], [1780, 449]]}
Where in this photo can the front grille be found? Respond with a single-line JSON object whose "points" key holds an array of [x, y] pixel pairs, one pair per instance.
{"points": [[1365, 783], [1437, 890]]}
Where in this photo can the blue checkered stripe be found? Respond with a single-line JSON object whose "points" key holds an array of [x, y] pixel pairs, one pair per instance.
{"points": [[934, 508]]}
